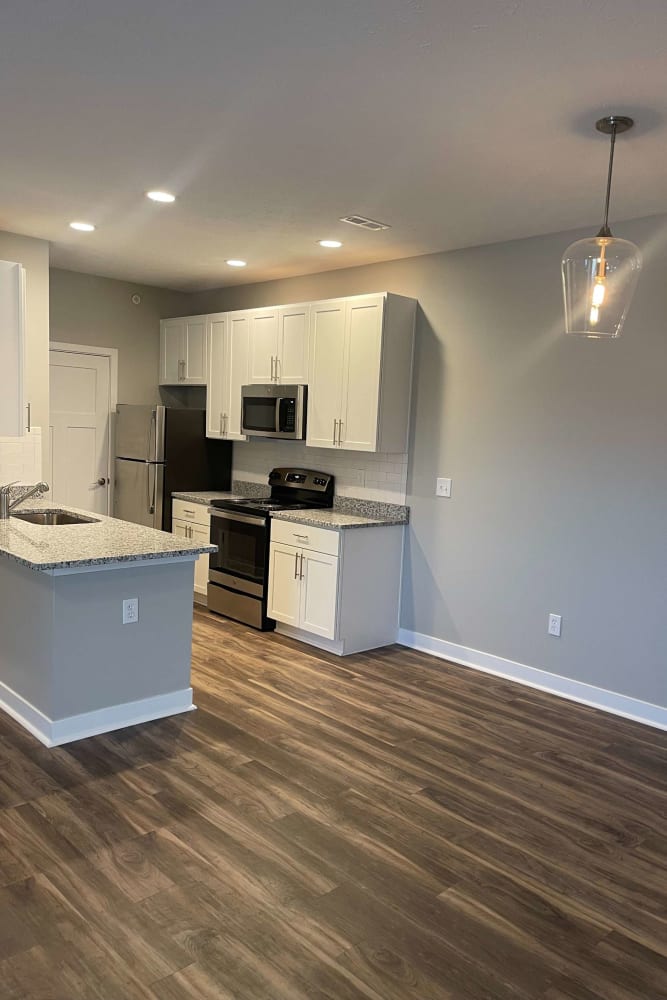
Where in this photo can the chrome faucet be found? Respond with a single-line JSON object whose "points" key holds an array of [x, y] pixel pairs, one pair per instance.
{"points": [[6, 507]]}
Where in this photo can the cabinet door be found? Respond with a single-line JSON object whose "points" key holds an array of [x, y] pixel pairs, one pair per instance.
{"points": [[325, 372], [284, 583], [203, 536], [216, 333], [361, 375], [180, 528], [235, 367], [172, 341], [194, 351], [263, 345], [292, 363], [12, 416], [319, 590]]}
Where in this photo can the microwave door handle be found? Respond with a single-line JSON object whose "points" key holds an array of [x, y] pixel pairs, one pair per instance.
{"points": [[278, 410]]}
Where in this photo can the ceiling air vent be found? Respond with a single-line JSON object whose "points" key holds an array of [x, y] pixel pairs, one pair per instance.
{"points": [[359, 220]]}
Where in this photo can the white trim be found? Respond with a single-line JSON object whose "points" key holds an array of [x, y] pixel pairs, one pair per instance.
{"points": [[112, 354], [562, 687], [53, 733]]}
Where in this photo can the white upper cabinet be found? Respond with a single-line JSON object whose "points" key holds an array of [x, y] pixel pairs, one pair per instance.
{"points": [[325, 376], [228, 344], [263, 344], [355, 355], [293, 343], [360, 373], [279, 345], [183, 353], [13, 413]]}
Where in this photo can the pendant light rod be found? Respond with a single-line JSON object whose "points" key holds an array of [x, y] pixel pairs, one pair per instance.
{"points": [[611, 125]]}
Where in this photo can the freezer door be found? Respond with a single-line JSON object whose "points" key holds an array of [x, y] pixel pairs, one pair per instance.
{"points": [[140, 432], [139, 491]]}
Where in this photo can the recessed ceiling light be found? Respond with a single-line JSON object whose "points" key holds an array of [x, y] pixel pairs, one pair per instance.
{"points": [[82, 227], [160, 196], [236, 263], [333, 244]]}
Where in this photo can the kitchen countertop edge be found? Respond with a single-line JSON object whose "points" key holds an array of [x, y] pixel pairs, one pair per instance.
{"points": [[336, 520], [112, 544]]}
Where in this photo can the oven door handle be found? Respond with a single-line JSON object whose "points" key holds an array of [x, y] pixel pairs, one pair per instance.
{"points": [[244, 518]]}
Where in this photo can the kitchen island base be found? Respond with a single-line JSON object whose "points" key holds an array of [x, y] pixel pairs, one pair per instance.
{"points": [[70, 668]]}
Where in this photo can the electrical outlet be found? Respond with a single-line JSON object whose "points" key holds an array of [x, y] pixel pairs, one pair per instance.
{"points": [[554, 625], [353, 477], [443, 487], [130, 610]]}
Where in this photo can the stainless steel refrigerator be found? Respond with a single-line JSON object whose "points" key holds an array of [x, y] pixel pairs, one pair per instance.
{"points": [[161, 450]]}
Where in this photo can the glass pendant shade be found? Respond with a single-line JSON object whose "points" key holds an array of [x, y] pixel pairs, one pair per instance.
{"points": [[600, 275]]}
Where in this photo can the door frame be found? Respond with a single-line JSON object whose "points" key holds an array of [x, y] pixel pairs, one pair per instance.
{"points": [[112, 354]]}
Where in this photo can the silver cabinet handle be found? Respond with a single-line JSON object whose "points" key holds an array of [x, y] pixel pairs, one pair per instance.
{"points": [[277, 368], [29, 425], [296, 565], [272, 378], [181, 371], [334, 433], [301, 570], [221, 431], [340, 433], [224, 426]]}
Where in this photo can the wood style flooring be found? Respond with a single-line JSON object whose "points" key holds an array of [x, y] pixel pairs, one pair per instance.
{"points": [[384, 827]]}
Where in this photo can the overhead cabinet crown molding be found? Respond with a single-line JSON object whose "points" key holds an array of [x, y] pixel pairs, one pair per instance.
{"points": [[354, 353]]}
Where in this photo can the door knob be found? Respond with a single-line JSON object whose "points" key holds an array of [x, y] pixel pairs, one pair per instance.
{"points": [[102, 481]]}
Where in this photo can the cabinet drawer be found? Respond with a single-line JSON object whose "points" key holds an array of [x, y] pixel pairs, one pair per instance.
{"points": [[304, 536], [196, 513]]}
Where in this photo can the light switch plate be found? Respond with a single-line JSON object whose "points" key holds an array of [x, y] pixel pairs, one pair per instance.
{"points": [[443, 487]]}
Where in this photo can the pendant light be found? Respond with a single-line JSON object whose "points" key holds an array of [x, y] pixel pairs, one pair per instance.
{"points": [[600, 273]]}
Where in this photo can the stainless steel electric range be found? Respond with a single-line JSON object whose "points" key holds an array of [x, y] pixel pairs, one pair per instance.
{"points": [[238, 571]]}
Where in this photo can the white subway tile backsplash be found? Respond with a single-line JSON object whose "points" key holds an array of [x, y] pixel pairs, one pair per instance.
{"points": [[21, 458], [358, 474]]}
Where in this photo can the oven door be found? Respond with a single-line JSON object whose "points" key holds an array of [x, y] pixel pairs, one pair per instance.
{"points": [[241, 559]]}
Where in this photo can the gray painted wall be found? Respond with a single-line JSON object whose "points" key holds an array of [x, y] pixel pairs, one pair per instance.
{"points": [[557, 448], [87, 309]]}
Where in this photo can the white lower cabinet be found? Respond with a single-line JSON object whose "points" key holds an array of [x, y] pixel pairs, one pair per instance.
{"points": [[302, 589], [335, 589], [193, 521]]}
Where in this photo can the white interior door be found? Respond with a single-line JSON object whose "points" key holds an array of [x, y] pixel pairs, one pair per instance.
{"points": [[80, 387]]}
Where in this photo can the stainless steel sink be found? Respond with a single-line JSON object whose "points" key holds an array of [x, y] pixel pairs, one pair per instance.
{"points": [[54, 517]]}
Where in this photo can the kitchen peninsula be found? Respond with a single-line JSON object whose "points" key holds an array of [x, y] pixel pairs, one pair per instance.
{"points": [[69, 667]]}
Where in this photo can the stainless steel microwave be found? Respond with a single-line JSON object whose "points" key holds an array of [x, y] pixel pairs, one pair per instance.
{"points": [[276, 411]]}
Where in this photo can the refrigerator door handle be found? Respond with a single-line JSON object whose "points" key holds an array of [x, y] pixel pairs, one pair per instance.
{"points": [[152, 437], [149, 503]]}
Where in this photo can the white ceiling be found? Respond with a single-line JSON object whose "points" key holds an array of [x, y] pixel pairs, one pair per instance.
{"points": [[459, 122]]}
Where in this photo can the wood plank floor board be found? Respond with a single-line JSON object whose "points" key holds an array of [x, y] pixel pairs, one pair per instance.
{"points": [[382, 827]]}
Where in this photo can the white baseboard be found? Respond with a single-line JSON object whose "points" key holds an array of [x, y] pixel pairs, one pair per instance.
{"points": [[563, 687], [56, 732]]}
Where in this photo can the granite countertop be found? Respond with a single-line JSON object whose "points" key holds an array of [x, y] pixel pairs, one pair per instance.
{"points": [[108, 540], [337, 519], [240, 488], [205, 497]]}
